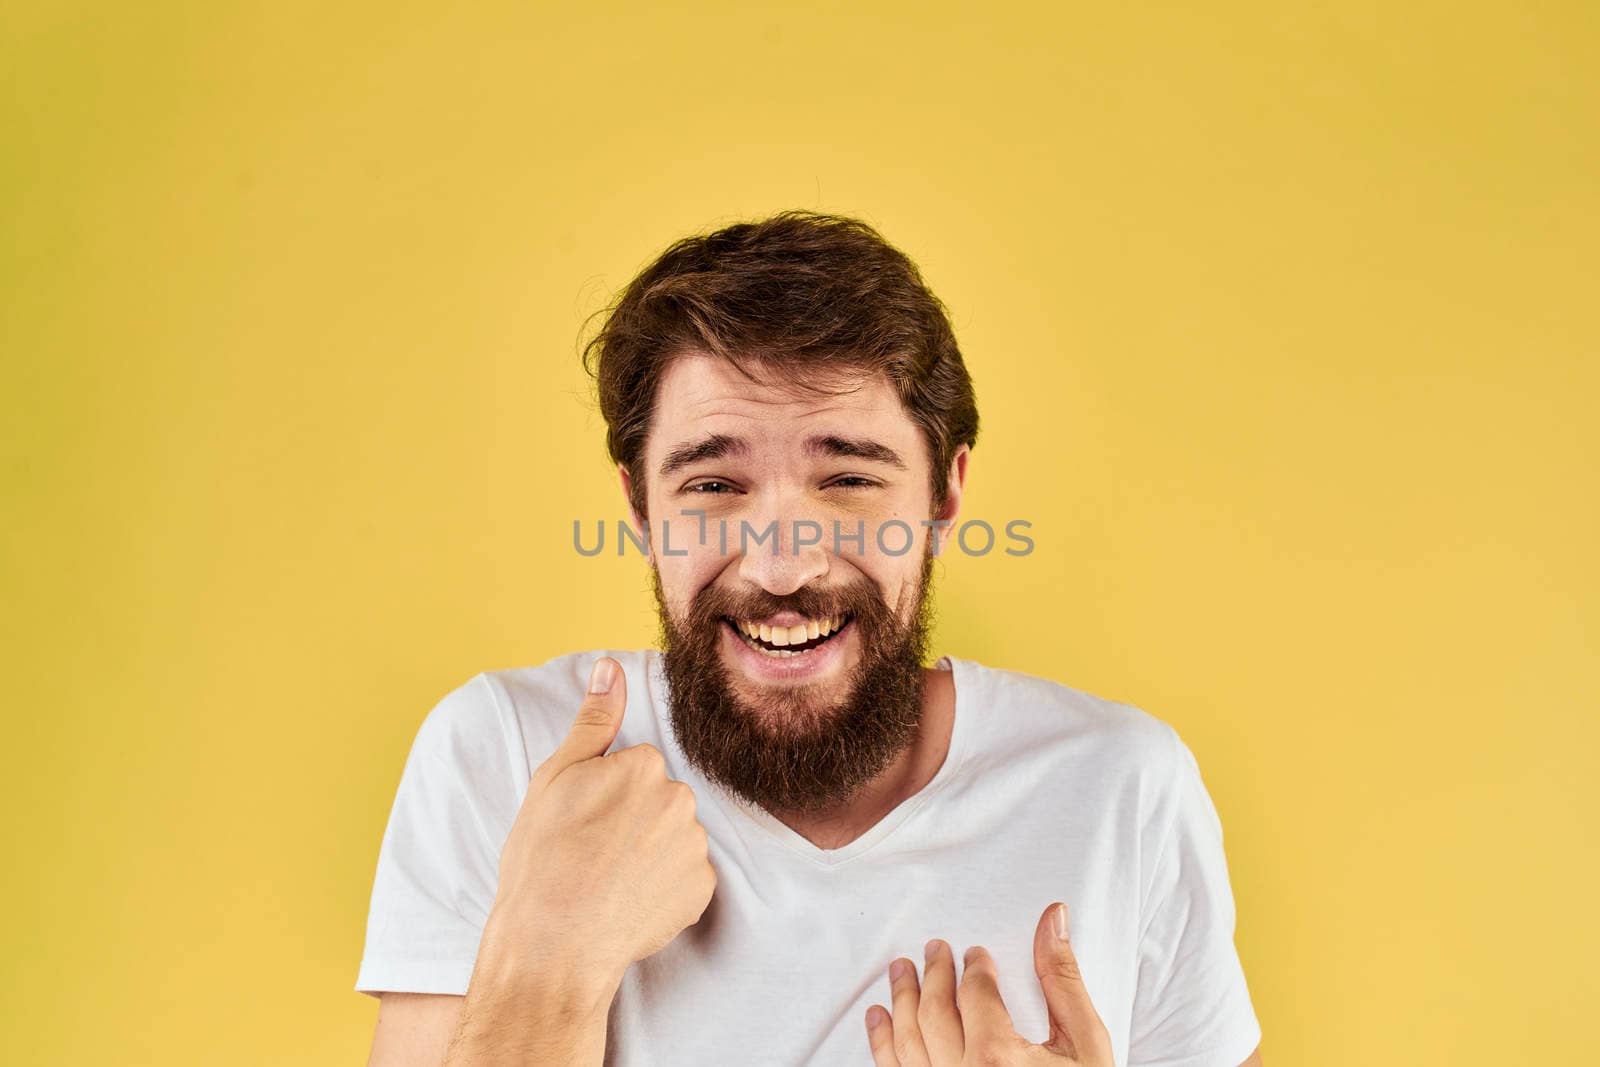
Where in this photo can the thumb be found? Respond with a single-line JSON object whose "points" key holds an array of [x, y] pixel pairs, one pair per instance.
{"points": [[1075, 1027], [598, 720]]}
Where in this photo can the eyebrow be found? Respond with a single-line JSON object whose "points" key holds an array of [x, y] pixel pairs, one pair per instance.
{"points": [[719, 445], [714, 447], [855, 448]]}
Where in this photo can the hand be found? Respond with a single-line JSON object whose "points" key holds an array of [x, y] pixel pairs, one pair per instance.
{"points": [[605, 862], [942, 1024]]}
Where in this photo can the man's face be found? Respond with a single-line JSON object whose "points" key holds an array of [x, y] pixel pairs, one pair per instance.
{"points": [[790, 717]]}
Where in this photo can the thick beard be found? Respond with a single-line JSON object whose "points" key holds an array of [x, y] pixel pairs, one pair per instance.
{"points": [[795, 754]]}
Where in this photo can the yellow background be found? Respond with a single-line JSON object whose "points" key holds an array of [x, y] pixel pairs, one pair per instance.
{"points": [[1283, 324]]}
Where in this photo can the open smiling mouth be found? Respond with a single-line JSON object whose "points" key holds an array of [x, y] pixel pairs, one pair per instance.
{"points": [[780, 641]]}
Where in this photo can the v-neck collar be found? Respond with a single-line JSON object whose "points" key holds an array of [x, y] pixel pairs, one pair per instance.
{"points": [[745, 812]]}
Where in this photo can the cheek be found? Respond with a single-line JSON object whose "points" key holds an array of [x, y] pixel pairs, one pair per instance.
{"points": [[895, 578], [683, 577], [892, 553], [883, 573]]}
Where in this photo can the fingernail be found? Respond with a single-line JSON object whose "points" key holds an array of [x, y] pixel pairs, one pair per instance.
{"points": [[1059, 922], [876, 1017], [931, 949], [966, 957], [604, 673], [897, 970]]}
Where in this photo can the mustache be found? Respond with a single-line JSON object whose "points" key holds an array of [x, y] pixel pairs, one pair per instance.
{"points": [[853, 599]]}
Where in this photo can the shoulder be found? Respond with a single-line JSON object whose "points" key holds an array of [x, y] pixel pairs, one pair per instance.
{"points": [[1013, 710], [540, 701], [465, 726], [561, 681], [518, 710]]}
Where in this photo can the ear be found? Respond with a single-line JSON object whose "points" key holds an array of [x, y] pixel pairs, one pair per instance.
{"points": [[954, 484], [633, 516]]}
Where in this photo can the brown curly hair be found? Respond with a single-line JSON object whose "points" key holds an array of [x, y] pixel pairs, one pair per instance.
{"points": [[797, 292]]}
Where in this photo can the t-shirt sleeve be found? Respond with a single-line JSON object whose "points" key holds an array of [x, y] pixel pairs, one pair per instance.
{"points": [[1191, 1007], [439, 863]]}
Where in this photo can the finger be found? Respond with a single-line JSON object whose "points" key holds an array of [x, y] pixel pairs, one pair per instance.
{"points": [[984, 1018], [598, 720], [880, 1035], [907, 1032], [1075, 1026], [941, 1023]]}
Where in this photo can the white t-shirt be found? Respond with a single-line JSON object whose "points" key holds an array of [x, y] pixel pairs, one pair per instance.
{"points": [[1047, 793]]}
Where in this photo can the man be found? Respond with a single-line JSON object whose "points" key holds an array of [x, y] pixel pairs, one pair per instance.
{"points": [[729, 851]]}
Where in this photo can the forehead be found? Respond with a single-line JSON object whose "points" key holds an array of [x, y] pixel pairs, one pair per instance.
{"points": [[700, 394]]}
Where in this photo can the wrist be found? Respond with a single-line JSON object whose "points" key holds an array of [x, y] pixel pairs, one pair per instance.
{"points": [[532, 1001], [534, 965]]}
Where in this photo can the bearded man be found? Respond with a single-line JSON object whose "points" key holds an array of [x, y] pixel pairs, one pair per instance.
{"points": [[731, 849]]}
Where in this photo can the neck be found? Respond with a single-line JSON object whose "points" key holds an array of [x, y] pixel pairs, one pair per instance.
{"points": [[906, 774]]}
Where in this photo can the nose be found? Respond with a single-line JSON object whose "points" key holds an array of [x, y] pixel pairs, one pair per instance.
{"points": [[799, 556]]}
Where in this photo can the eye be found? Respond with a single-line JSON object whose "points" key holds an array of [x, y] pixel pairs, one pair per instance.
{"points": [[852, 481], [709, 487]]}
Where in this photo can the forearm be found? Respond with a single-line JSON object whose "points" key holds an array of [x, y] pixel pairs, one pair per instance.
{"points": [[531, 1007]]}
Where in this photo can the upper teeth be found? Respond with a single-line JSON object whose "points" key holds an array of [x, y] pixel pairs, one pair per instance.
{"points": [[791, 635]]}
